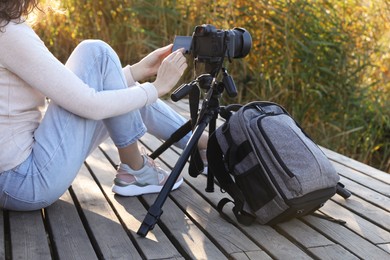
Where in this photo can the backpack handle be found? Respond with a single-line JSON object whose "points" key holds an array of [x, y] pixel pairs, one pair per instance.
{"points": [[227, 111]]}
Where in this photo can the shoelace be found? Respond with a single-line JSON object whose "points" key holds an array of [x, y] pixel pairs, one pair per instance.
{"points": [[154, 164]]}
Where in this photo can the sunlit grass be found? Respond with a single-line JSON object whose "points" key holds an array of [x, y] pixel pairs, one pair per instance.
{"points": [[326, 61]]}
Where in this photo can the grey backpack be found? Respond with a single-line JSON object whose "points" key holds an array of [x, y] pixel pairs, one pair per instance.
{"points": [[278, 172]]}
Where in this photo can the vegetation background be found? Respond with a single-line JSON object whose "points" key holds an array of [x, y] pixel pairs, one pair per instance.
{"points": [[326, 61]]}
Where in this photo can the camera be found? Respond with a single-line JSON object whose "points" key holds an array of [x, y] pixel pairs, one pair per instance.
{"points": [[210, 45]]}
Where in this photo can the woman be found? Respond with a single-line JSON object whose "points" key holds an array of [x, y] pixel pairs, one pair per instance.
{"points": [[92, 98]]}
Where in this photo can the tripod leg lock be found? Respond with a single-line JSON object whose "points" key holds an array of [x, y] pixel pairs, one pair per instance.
{"points": [[150, 220]]}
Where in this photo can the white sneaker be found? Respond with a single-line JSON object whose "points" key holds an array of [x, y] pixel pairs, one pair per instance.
{"points": [[149, 179], [203, 156]]}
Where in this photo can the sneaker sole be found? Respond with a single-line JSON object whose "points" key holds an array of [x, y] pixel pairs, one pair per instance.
{"points": [[134, 190]]}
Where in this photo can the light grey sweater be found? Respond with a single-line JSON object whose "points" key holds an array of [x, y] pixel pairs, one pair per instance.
{"points": [[29, 73]]}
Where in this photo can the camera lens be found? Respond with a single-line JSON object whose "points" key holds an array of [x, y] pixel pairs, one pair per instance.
{"points": [[242, 42]]}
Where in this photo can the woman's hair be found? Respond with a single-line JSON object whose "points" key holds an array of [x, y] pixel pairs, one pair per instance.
{"points": [[15, 9]]}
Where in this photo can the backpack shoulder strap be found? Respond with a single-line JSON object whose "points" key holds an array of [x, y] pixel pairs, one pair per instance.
{"points": [[218, 169], [196, 164]]}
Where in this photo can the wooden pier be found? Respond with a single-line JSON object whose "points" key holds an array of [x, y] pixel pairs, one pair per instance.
{"points": [[90, 222]]}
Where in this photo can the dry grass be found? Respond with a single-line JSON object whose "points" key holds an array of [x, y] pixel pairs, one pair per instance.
{"points": [[326, 61]]}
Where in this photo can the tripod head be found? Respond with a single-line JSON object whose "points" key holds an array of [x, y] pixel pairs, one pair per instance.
{"points": [[207, 82]]}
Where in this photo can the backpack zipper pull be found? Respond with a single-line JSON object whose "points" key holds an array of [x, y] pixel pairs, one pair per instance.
{"points": [[263, 111]]}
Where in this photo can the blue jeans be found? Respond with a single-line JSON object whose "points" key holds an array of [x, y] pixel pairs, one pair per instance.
{"points": [[63, 140]]}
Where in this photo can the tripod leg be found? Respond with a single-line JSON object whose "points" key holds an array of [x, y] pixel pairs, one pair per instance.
{"points": [[210, 174], [155, 210], [175, 137]]}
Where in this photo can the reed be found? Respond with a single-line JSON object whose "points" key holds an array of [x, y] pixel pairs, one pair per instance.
{"points": [[326, 61]]}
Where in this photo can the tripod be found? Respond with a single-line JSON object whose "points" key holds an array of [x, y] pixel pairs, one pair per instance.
{"points": [[199, 121]]}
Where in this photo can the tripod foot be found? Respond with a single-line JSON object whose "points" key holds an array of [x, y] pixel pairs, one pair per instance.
{"points": [[150, 221], [143, 230], [342, 191]]}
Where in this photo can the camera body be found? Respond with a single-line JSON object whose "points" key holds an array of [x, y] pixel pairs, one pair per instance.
{"points": [[211, 45]]}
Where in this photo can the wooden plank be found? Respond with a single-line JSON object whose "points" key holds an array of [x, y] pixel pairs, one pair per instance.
{"points": [[230, 241], [69, 235], [342, 252], [185, 232], [250, 255], [108, 233], [358, 166], [303, 234], [271, 241], [156, 244], [228, 237], [129, 209], [332, 252], [366, 210], [373, 183], [275, 244], [347, 238], [2, 236], [268, 238], [385, 247], [367, 194], [364, 189], [360, 225], [191, 239], [319, 245], [28, 236], [363, 179], [180, 107]]}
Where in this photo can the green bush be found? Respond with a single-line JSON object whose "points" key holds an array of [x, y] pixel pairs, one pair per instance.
{"points": [[326, 61]]}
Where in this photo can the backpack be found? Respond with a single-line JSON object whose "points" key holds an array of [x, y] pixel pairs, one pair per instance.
{"points": [[269, 166]]}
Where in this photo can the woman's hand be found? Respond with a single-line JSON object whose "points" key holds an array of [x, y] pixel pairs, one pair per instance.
{"points": [[170, 71], [150, 64]]}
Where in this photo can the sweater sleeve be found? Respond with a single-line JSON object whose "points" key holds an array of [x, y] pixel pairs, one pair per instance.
{"points": [[26, 56], [129, 76]]}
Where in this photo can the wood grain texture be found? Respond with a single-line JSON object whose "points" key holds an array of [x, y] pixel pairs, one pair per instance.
{"points": [[90, 222]]}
